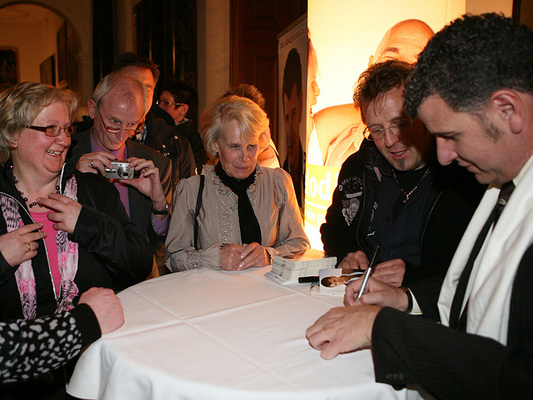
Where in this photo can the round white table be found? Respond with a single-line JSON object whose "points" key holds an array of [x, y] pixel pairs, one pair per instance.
{"points": [[205, 334]]}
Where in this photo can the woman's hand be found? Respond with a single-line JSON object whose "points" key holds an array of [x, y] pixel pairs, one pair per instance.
{"points": [[21, 244], [253, 255], [236, 258], [65, 211], [230, 256]]}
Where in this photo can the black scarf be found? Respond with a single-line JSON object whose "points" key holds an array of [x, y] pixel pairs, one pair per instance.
{"points": [[250, 229]]}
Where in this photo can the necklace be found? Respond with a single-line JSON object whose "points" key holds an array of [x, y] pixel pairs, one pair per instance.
{"points": [[30, 205], [408, 195]]}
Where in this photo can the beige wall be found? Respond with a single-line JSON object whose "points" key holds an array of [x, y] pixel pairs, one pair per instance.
{"points": [[35, 43], [213, 50]]}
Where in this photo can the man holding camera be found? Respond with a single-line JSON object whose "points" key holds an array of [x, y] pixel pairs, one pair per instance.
{"points": [[141, 175]]}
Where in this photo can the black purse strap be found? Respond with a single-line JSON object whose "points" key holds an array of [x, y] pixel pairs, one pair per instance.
{"points": [[197, 210]]}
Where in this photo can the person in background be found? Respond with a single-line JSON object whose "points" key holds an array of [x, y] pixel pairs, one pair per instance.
{"points": [[294, 164], [176, 100], [30, 348], [243, 214], [156, 132], [118, 106], [393, 194], [269, 157], [475, 341], [61, 231]]}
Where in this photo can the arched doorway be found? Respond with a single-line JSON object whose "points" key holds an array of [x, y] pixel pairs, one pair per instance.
{"points": [[51, 40]]}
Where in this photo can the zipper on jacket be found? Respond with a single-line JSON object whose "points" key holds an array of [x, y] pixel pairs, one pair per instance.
{"points": [[56, 296]]}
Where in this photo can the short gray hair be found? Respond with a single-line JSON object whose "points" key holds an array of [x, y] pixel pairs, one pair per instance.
{"points": [[252, 120], [117, 79]]}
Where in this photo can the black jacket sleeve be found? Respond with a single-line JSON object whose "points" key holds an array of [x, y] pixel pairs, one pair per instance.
{"points": [[105, 230], [455, 365], [339, 233]]}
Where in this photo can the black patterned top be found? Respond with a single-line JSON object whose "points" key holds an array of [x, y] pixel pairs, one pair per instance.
{"points": [[29, 348]]}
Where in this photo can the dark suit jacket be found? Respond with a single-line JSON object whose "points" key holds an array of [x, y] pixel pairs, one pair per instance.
{"points": [[456, 365], [140, 205], [166, 140]]}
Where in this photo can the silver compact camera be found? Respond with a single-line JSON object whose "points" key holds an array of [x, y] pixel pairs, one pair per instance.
{"points": [[119, 170]]}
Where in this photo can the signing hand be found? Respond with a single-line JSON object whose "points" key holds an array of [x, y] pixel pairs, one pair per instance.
{"points": [[355, 260], [253, 255], [378, 293], [342, 330], [106, 306], [65, 211], [95, 162], [21, 244]]}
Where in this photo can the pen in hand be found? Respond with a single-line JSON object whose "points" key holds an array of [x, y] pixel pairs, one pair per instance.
{"points": [[368, 272]]}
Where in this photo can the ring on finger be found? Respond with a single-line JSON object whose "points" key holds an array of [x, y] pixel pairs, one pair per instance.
{"points": [[29, 246], [92, 164]]}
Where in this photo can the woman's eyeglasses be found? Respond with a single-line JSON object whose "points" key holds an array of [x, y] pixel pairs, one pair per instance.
{"points": [[54, 130], [168, 103]]}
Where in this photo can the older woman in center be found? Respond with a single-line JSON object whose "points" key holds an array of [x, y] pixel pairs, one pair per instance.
{"points": [[244, 214]]}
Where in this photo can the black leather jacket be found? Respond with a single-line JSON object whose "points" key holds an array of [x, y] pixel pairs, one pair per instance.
{"points": [[112, 253], [454, 197]]}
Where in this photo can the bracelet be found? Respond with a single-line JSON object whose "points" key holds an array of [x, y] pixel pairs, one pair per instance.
{"points": [[409, 299]]}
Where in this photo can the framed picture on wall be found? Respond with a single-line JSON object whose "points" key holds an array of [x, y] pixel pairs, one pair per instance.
{"points": [[9, 67], [48, 71]]}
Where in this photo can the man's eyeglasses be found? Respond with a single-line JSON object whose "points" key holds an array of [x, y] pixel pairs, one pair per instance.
{"points": [[168, 103], [396, 129], [54, 130], [115, 131]]}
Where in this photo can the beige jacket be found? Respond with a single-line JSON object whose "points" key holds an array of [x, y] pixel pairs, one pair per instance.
{"points": [[273, 200]]}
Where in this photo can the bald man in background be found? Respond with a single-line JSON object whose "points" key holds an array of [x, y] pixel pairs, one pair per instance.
{"points": [[339, 128]]}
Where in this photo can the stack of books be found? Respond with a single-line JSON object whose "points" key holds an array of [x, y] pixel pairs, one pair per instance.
{"points": [[288, 269]]}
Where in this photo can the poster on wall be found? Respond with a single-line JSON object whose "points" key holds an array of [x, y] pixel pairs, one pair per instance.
{"points": [[343, 41], [292, 138]]}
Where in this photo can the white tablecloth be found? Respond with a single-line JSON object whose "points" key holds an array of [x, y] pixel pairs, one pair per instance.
{"points": [[205, 334]]}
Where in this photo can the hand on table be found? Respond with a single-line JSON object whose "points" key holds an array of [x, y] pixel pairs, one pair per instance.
{"points": [[21, 244], [390, 272], [378, 293], [342, 330], [236, 258], [253, 255], [106, 306], [355, 260]]}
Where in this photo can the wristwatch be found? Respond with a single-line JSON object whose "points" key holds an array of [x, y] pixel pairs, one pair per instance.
{"points": [[164, 211]]}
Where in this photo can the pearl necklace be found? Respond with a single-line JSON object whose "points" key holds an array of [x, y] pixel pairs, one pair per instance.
{"points": [[30, 205]]}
